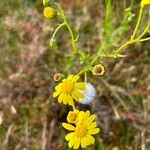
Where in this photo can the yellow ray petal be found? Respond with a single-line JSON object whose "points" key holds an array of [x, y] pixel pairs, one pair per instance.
{"points": [[86, 115], [89, 139], [64, 80], [69, 136], [93, 131], [72, 141], [55, 94], [80, 86], [59, 87], [77, 143], [77, 94], [90, 119], [65, 99], [70, 77], [92, 125], [60, 98], [68, 126], [75, 78], [80, 117], [70, 100], [83, 142]]}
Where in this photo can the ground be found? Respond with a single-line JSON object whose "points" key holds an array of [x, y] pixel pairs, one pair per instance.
{"points": [[30, 118]]}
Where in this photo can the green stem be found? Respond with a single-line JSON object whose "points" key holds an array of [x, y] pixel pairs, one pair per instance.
{"points": [[73, 39], [85, 77], [137, 25], [108, 4], [143, 33], [123, 46], [97, 55], [83, 70], [57, 29], [73, 106], [146, 39], [133, 41]]}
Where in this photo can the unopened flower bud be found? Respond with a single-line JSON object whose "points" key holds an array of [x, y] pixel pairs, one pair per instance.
{"points": [[52, 43], [72, 116]]}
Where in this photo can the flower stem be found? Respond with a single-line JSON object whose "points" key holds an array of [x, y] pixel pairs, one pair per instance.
{"points": [[134, 40], [97, 55], [143, 33], [73, 39], [146, 39], [137, 25], [73, 106], [57, 29], [85, 77]]}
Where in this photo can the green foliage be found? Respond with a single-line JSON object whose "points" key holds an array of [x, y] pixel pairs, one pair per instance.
{"points": [[29, 82]]}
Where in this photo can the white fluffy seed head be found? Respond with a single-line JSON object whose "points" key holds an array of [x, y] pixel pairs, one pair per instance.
{"points": [[89, 94]]}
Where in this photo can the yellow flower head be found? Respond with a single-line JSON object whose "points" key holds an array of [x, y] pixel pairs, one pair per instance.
{"points": [[81, 133], [49, 12], [69, 89], [98, 70], [145, 2], [72, 116]]}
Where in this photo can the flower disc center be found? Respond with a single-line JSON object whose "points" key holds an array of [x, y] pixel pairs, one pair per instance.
{"points": [[67, 87], [80, 131]]}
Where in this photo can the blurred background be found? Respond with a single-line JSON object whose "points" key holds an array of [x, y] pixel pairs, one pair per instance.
{"points": [[30, 119]]}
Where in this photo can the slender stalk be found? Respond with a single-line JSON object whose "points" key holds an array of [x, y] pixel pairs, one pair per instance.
{"points": [[108, 4], [73, 106], [123, 46], [84, 70], [73, 39], [146, 39], [143, 33], [97, 55], [135, 40], [57, 29], [137, 25], [85, 77]]}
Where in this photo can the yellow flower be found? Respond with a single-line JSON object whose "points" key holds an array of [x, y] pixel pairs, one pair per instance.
{"points": [[69, 89], [72, 116], [81, 133], [98, 70], [145, 2], [49, 12]]}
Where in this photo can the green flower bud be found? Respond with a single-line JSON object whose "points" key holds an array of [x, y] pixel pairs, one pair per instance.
{"points": [[45, 2], [52, 43]]}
